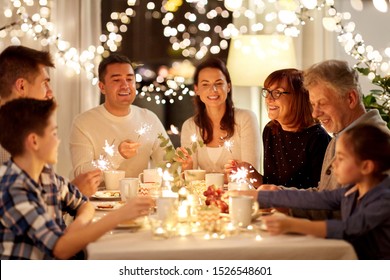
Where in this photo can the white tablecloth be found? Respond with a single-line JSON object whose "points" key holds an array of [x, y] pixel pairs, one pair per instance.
{"points": [[140, 245]]}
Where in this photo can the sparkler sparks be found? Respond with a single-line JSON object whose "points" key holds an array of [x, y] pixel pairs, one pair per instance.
{"points": [[239, 175], [228, 145], [143, 129], [102, 163], [194, 138], [109, 149]]}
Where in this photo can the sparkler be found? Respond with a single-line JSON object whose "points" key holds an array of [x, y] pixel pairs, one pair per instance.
{"points": [[109, 149], [143, 129], [239, 175], [102, 163], [228, 145], [194, 138]]}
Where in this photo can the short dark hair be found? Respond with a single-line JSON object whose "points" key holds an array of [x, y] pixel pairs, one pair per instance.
{"points": [[369, 142], [20, 62], [19, 118], [112, 59], [200, 118]]}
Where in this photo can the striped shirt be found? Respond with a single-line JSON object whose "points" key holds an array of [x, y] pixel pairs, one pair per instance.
{"points": [[32, 213]]}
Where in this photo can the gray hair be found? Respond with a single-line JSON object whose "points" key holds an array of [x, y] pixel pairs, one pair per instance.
{"points": [[334, 74]]}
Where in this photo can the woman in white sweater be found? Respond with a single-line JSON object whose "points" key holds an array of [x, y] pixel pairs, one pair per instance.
{"points": [[216, 121]]}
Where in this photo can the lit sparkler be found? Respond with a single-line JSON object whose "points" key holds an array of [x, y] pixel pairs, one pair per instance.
{"points": [[102, 163], [174, 129], [228, 145], [109, 149], [143, 129], [194, 138], [239, 175]]}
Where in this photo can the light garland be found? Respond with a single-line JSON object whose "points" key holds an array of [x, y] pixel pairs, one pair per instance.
{"points": [[289, 16]]}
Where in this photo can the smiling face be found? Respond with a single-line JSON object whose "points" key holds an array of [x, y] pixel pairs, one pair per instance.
{"points": [[279, 109], [119, 88], [212, 87], [329, 108]]}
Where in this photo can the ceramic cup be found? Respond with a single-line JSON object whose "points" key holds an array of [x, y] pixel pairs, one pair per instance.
{"points": [[241, 209], [238, 186], [193, 175], [216, 179], [149, 176], [129, 188], [149, 189], [112, 179]]}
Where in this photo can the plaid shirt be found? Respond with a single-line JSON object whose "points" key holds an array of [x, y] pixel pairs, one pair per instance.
{"points": [[32, 213], [4, 155]]}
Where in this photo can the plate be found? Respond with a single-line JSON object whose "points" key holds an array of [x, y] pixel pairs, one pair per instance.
{"points": [[108, 206], [107, 195]]}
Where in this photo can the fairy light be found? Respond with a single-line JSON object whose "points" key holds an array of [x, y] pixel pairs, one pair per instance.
{"points": [[288, 17]]}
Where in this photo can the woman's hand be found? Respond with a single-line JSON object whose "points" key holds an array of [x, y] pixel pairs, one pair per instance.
{"points": [[184, 158]]}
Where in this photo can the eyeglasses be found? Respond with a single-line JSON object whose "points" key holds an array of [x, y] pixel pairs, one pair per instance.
{"points": [[275, 94]]}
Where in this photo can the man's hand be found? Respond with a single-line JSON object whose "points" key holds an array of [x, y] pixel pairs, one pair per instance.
{"points": [[128, 149], [88, 182]]}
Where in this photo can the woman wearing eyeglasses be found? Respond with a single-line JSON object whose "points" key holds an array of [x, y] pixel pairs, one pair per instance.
{"points": [[227, 132], [294, 143]]}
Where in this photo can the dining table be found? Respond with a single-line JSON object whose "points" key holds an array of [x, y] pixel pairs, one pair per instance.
{"points": [[252, 243]]}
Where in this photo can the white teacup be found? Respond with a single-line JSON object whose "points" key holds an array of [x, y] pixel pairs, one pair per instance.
{"points": [[238, 186], [193, 175], [129, 188], [216, 179], [164, 207], [149, 176], [112, 179], [241, 209]]}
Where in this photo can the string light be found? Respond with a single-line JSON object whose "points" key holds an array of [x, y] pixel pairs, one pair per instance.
{"points": [[184, 33]]}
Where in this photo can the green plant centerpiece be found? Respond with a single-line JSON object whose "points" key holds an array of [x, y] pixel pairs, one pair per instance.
{"points": [[171, 163], [378, 98]]}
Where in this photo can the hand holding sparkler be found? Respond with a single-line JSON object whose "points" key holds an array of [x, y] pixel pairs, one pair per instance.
{"points": [[243, 171], [128, 149]]}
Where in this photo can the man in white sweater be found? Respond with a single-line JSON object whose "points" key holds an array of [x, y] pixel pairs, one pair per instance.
{"points": [[118, 123]]}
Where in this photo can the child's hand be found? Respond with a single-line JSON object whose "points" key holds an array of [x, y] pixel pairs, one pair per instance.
{"points": [[277, 223]]}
